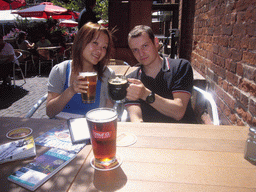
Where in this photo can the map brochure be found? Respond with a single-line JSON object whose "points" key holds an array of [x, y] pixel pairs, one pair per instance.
{"points": [[42, 168], [16, 150], [59, 137]]}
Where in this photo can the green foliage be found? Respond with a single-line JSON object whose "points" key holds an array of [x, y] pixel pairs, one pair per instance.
{"points": [[76, 5], [101, 9]]}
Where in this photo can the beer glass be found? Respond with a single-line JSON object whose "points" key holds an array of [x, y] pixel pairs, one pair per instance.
{"points": [[102, 124], [91, 78], [117, 86]]}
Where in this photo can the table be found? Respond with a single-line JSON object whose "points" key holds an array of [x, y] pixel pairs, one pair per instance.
{"points": [[166, 157]]}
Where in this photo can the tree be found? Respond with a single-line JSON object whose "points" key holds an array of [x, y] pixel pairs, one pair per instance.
{"points": [[101, 9]]}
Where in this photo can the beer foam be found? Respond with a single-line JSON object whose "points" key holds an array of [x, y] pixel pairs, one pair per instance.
{"points": [[87, 74], [101, 115], [118, 81]]}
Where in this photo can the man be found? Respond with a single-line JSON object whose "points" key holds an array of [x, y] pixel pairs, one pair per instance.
{"points": [[87, 14], [7, 57], [160, 88], [43, 42]]}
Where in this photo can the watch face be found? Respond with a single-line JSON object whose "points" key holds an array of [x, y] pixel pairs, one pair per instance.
{"points": [[150, 98]]}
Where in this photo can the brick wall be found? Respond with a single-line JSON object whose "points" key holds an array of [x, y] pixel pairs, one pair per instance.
{"points": [[223, 49]]}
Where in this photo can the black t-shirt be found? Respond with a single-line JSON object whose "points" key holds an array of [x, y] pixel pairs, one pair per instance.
{"points": [[176, 75]]}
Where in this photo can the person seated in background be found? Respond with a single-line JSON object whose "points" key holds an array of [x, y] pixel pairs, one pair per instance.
{"points": [[160, 89], [92, 49], [7, 57], [44, 53], [24, 44], [43, 42]]}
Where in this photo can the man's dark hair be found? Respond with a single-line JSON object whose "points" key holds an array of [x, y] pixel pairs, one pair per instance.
{"points": [[139, 29]]}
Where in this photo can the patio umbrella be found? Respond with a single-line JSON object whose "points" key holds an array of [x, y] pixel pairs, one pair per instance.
{"points": [[47, 10], [68, 23], [11, 4]]}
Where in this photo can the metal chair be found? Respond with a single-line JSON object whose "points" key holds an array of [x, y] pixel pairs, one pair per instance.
{"points": [[25, 58], [36, 106], [204, 107], [44, 59], [16, 67]]}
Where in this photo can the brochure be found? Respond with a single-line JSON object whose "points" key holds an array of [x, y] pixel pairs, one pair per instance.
{"points": [[59, 137], [16, 150], [41, 169]]}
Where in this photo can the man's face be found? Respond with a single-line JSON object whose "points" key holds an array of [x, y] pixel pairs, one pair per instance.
{"points": [[144, 50]]}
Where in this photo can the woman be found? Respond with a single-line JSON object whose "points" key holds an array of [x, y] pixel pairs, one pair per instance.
{"points": [[91, 52], [23, 43]]}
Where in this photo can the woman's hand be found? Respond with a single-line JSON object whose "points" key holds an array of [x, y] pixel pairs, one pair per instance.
{"points": [[79, 85]]}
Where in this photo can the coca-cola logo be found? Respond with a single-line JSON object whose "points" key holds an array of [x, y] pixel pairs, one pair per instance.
{"points": [[101, 135]]}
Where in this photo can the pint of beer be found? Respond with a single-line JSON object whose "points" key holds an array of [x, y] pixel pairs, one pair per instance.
{"points": [[102, 123], [117, 86], [91, 78]]}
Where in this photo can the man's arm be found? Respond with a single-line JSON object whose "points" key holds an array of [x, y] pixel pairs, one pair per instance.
{"points": [[174, 108]]}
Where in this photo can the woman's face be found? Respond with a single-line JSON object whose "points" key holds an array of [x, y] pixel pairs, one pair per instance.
{"points": [[96, 50]]}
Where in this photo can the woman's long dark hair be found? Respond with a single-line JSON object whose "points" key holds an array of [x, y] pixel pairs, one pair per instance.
{"points": [[84, 36]]}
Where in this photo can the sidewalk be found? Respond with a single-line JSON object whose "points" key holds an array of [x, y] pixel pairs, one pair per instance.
{"points": [[16, 102]]}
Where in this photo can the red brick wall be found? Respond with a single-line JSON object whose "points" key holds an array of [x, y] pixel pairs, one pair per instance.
{"points": [[224, 52]]}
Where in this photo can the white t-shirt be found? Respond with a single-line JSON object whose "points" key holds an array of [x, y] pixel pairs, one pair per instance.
{"points": [[8, 50]]}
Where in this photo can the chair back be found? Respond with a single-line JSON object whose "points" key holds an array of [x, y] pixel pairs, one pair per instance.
{"points": [[204, 107], [18, 54]]}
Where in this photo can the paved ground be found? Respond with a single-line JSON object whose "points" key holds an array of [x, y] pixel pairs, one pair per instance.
{"points": [[16, 102]]}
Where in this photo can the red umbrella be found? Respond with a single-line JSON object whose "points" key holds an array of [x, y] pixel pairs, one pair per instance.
{"points": [[11, 4], [46, 10]]}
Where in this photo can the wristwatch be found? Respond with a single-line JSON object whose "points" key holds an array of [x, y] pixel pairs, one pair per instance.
{"points": [[150, 98]]}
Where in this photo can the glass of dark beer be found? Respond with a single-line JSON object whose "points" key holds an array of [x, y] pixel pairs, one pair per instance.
{"points": [[117, 86], [91, 78], [102, 123]]}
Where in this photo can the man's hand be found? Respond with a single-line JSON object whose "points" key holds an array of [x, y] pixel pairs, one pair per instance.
{"points": [[136, 90]]}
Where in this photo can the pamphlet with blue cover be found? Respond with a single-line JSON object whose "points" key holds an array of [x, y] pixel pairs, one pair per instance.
{"points": [[59, 137], [41, 169]]}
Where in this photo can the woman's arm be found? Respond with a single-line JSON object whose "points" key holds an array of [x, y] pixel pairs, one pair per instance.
{"points": [[56, 102], [135, 113]]}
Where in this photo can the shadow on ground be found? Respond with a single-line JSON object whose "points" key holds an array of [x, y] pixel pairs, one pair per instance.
{"points": [[10, 94]]}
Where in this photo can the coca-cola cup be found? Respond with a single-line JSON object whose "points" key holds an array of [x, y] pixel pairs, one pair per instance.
{"points": [[102, 124]]}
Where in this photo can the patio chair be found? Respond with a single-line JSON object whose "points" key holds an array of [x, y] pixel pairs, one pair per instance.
{"points": [[204, 107], [16, 68], [25, 59], [44, 57]]}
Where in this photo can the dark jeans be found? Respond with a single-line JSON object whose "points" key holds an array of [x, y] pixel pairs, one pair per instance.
{"points": [[5, 71]]}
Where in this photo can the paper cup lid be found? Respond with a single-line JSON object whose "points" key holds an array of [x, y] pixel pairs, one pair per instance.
{"points": [[19, 133]]}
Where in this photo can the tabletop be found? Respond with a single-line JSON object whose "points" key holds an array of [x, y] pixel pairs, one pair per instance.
{"points": [[49, 48], [166, 157]]}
